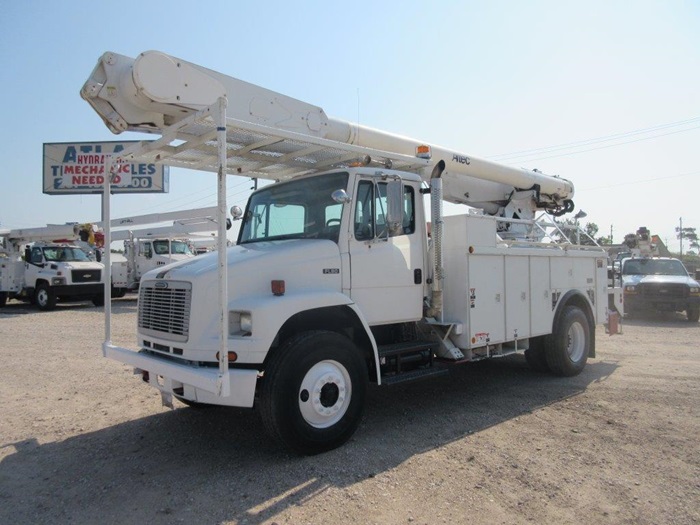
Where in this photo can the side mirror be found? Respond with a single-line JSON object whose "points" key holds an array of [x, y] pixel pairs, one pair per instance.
{"points": [[236, 212], [341, 197], [394, 198]]}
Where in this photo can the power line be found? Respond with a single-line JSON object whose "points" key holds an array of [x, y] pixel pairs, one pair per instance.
{"points": [[599, 140], [640, 181]]}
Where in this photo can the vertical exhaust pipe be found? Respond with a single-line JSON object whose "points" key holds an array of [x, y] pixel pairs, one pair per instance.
{"points": [[435, 309]]}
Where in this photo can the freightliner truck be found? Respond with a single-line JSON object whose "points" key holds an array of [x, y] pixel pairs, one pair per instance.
{"points": [[341, 275]]}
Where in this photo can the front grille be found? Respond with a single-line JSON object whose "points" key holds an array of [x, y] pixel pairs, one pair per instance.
{"points": [[164, 309], [86, 276], [663, 290]]}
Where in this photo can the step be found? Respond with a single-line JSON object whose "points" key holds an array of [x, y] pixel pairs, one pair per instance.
{"points": [[414, 375], [405, 348]]}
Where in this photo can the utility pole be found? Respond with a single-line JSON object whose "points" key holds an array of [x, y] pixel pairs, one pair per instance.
{"points": [[611, 234], [680, 231]]}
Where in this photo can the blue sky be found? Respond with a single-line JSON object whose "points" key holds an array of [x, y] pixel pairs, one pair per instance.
{"points": [[603, 93]]}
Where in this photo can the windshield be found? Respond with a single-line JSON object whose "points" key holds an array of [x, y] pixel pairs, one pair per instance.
{"points": [[161, 247], [653, 267], [65, 254], [299, 209]]}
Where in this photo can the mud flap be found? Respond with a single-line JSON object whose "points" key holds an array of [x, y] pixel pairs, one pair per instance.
{"points": [[167, 399]]}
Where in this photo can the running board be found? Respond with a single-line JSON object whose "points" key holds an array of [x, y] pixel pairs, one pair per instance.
{"points": [[414, 375]]}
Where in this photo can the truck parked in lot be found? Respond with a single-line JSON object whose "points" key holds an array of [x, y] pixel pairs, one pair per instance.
{"points": [[156, 245], [659, 284], [342, 275], [46, 265]]}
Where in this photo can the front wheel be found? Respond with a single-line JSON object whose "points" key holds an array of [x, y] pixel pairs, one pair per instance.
{"points": [[44, 297], [568, 346], [313, 391], [693, 314], [98, 300], [3, 299]]}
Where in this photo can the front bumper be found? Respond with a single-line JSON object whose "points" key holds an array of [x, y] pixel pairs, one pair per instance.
{"points": [[659, 304], [205, 385], [78, 290]]}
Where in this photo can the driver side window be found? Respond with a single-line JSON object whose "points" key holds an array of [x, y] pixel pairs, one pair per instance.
{"points": [[370, 211]]}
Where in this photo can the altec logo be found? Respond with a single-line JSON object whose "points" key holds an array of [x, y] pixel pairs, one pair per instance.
{"points": [[461, 159]]}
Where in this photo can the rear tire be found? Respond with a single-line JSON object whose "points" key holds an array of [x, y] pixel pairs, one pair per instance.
{"points": [[693, 314], [567, 348], [44, 297], [313, 391]]}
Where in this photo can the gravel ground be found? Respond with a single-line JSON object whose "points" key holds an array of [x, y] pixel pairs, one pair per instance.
{"points": [[82, 440]]}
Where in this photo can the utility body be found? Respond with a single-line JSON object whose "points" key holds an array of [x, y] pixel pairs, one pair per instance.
{"points": [[49, 264], [339, 278]]}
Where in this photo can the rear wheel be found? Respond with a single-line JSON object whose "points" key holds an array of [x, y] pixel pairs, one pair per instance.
{"points": [[44, 297], [693, 314], [567, 348], [313, 391]]}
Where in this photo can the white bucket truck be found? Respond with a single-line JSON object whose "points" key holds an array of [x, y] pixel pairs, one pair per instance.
{"points": [[48, 264], [156, 245], [338, 279]]}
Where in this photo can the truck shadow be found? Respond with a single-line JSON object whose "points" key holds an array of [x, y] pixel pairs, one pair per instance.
{"points": [[660, 319], [122, 305], [166, 467]]}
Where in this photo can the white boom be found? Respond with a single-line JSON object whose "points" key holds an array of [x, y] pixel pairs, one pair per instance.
{"points": [[155, 90], [44, 233], [197, 214]]}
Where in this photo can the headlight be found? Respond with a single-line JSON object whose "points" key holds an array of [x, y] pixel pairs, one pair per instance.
{"points": [[58, 281], [240, 323], [630, 289], [694, 290]]}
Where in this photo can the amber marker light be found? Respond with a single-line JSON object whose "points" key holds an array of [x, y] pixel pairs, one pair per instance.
{"points": [[278, 287], [232, 356]]}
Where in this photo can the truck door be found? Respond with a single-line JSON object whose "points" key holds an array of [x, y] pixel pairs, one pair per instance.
{"points": [[386, 267], [34, 266]]}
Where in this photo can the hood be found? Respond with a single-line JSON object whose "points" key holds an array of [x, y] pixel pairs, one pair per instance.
{"points": [[302, 263], [658, 279]]}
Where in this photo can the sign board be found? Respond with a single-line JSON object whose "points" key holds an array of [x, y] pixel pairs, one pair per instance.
{"points": [[78, 167]]}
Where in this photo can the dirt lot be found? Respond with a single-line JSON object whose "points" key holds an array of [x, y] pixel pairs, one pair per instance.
{"points": [[84, 441]]}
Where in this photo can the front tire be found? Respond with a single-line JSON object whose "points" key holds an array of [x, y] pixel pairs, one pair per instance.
{"points": [[693, 314], [44, 297], [3, 299], [567, 348], [98, 300], [313, 391]]}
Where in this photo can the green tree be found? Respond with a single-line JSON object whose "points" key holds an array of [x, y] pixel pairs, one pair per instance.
{"points": [[688, 235]]}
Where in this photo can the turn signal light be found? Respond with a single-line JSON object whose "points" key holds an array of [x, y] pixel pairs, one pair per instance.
{"points": [[232, 356], [278, 287]]}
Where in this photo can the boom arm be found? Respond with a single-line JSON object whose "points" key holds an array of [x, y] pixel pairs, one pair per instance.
{"points": [[156, 90]]}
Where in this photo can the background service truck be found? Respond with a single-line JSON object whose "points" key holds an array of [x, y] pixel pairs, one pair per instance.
{"points": [[48, 264]]}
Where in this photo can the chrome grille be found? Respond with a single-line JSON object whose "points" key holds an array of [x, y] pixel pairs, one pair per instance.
{"points": [[663, 290], [164, 309]]}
